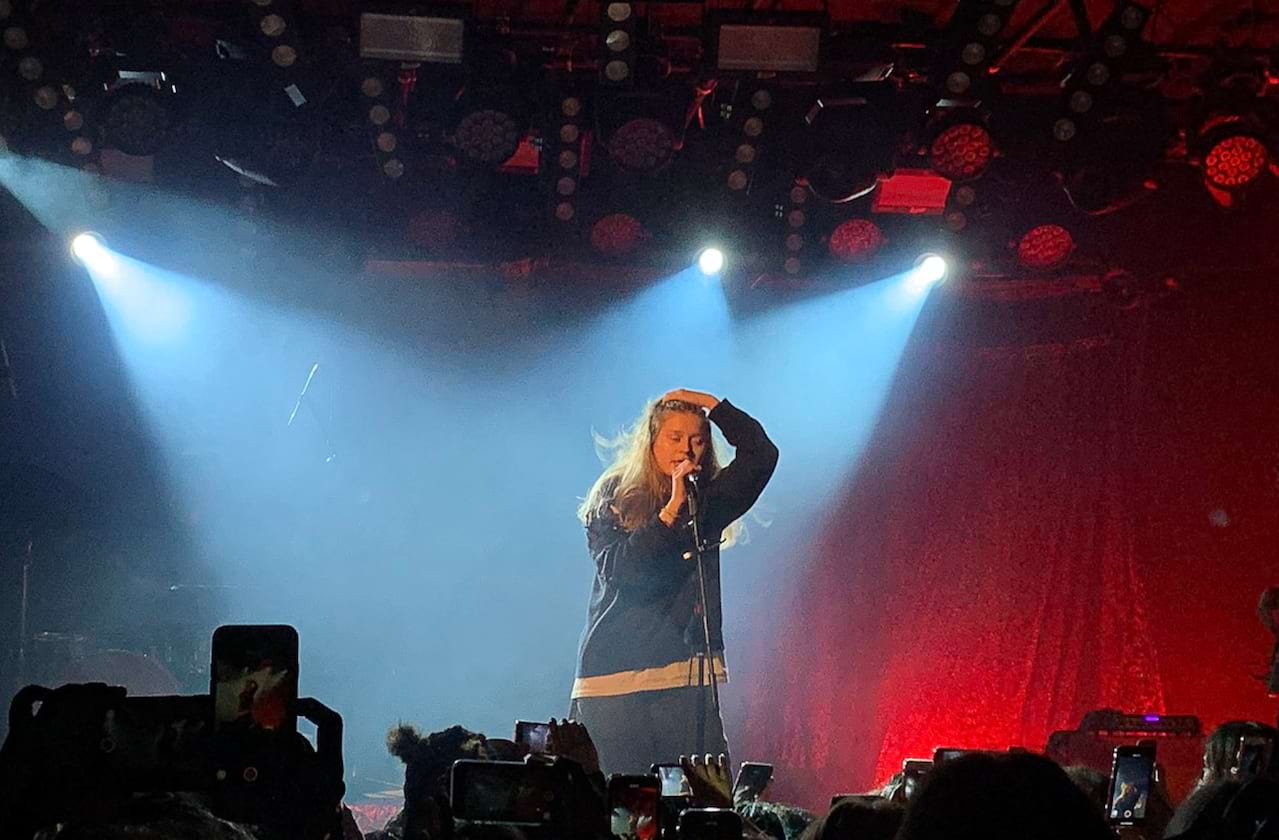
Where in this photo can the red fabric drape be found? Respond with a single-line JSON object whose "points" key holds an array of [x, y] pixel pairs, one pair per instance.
{"points": [[1034, 532]]}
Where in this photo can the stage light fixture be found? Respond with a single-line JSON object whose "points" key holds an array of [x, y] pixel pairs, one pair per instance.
{"points": [[1234, 161], [962, 150], [411, 38], [488, 136], [564, 176], [855, 240], [642, 145], [1097, 71], [617, 43], [617, 235], [1045, 247], [710, 261], [135, 118], [91, 251], [931, 269]]}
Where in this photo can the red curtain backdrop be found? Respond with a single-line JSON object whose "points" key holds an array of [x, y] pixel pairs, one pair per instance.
{"points": [[1036, 530]]}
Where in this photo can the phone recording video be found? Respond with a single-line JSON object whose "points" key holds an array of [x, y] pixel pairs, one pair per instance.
{"points": [[674, 783], [1131, 779], [503, 793], [752, 780], [1253, 756], [254, 678], [633, 806], [710, 824], [535, 736]]}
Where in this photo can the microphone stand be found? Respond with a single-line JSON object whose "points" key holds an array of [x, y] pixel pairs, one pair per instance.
{"points": [[706, 656]]}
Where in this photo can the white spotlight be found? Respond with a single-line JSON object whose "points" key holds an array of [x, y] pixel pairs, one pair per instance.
{"points": [[711, 261], [931, 268], [92, 253]]}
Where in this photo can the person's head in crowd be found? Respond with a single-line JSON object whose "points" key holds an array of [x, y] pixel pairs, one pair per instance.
{"points": [[1094, 783], [1221, 750], [1002, 797], [153, 817], [858, 819], [428, 761], [1228, 809]]}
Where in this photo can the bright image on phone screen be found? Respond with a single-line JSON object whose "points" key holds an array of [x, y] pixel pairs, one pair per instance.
{"points": [[255, 683], [1132, 788]]}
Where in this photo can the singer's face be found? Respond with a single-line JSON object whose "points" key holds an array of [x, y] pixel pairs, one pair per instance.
{"points": [[682, 437]]}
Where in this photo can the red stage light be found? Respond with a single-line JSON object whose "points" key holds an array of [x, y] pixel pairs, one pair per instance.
{"points": [[962, 151], [642, 145], [1045, 246], [617, 235], [1235, 161], [855, 240]]}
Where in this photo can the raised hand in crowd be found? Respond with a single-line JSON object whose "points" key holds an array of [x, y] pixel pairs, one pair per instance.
{"points": [[709, 780], [569, 739]]}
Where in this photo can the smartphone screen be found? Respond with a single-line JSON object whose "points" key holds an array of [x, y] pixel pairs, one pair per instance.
{"points": [[710, 824], [535, 736], [255, 678], [503, 792], [752, 779], [633, 805], [1131, 779], [673, 782], [1252, 758]]}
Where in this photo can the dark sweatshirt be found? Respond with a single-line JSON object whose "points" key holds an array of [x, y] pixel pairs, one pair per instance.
{"points": [[642, 630]]}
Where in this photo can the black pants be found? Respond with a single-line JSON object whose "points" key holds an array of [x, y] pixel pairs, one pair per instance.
{"points": [[634, 731]]}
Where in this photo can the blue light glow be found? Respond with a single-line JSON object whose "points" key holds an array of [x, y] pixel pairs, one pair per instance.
{"points": [[711, 261]]}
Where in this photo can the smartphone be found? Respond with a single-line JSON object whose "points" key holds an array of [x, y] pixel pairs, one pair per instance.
{"points": [[913, 772], [752, 780], [254, 678], [710, 824], [676, 797], [1253, 756], [1132, 777], [504, 793], [864, 798], [674, 785], [535, 736], [633, 806]]}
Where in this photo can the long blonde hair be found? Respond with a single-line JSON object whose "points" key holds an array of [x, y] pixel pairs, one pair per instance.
{"points": [[631, 486]]}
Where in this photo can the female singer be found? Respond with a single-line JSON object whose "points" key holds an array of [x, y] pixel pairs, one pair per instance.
{"points": [[637, 686]]}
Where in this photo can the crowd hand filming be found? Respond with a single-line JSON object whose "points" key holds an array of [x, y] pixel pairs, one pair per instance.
{"points": [[569, 739], [709, 780]]}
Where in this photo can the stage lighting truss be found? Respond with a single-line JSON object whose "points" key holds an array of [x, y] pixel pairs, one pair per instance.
{"points": [[793, 213], [1045, 247], [563, 151], [856, 240], [617, 32], [977, 32], [750, 120], [1099, 69]]}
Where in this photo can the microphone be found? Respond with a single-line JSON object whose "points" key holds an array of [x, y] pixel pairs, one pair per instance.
{"points": [[695, 482]]}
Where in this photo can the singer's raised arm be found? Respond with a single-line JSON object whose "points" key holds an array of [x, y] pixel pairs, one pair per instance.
{"points": [[738, 485]]}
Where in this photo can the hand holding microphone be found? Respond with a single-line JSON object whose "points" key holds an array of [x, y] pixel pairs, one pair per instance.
{"points": [[684, 476]]}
